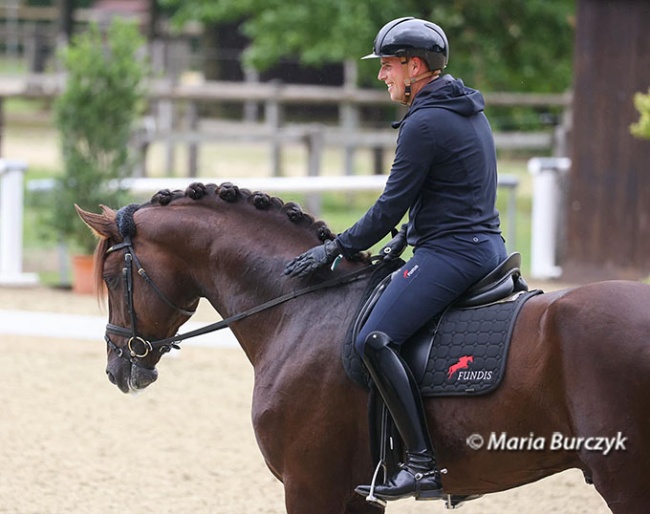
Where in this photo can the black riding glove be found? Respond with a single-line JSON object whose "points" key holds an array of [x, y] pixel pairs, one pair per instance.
{"points": [[313, 259], [395, 247]]}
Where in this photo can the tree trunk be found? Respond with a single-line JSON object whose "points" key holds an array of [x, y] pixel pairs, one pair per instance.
{"points": [[608, 207]]}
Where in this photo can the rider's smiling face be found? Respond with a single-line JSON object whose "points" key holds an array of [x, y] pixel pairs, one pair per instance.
{"points": [[391, 72]]}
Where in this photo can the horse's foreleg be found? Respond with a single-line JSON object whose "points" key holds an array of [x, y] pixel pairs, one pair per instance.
{"points": [[309, 494], [319, 457], [359, 505], [322, 470]]}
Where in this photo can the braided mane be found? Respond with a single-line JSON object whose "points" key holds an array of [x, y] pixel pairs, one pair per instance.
{"points": [[232, 194], [226, 192]]}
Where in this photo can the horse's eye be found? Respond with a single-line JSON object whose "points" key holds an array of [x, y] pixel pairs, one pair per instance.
{"points": [[111, 281]]}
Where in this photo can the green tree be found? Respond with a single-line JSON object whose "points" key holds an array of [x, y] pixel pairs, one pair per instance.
{"points": [[504, 45], [95, 116]]}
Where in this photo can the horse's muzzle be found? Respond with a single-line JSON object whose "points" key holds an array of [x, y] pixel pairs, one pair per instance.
{"points": [[142, 377], [129, 377]]}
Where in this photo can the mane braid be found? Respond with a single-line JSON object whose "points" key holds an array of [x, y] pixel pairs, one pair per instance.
{"points": [[230, 193]]}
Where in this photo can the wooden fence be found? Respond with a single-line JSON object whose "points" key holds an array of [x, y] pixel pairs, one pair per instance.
{"points": [[349, 134], [177, 119]]}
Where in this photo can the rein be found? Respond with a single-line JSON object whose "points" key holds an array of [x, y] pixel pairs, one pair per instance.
{"points": [[139, 347]]}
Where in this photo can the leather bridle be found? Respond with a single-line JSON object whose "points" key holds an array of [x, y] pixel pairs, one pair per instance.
{"points": [[139, 347]]}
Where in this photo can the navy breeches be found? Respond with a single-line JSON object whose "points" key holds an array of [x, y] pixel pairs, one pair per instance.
{"points": [[433, 278]]}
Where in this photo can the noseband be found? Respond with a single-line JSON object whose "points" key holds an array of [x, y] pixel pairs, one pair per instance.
{"points": [[138, 346]]}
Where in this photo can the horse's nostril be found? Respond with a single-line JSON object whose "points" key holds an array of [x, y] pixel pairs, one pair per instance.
{"points": [[111, 377]]}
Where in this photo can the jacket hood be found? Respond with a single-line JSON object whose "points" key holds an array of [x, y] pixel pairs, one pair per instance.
{"points": [[448, 93]]}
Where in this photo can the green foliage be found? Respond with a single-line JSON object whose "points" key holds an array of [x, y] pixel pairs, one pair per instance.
{"points": [[641, 128], [95, 116], [509, 45], [501, 45]]}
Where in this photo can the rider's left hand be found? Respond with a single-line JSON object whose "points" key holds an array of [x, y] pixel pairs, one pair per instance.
{"points": [[313, 259]]}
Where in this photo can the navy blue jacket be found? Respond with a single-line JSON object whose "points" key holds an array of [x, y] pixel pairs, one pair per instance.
{"points": [[444, 173]]}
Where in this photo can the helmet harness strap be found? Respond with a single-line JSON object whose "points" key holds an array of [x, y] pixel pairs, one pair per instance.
{"points": [[408, 81]]}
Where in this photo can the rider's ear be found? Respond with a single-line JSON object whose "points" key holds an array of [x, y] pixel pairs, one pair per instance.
{"points": [[102, 225]]}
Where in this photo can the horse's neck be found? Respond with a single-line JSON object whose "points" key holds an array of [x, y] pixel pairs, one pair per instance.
{"points": [[245, 270], [278, 330]]}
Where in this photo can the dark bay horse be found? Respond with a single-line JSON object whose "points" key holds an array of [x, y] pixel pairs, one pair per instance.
{"points": [[578, 367]]}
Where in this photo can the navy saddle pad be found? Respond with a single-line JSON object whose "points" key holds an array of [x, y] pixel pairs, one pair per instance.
{"points": [[465, 351], [461, 352]]}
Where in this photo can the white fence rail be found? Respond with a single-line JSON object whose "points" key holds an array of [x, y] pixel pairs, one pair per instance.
{"points": [[12, 205], [11, 225], [311, 185]]}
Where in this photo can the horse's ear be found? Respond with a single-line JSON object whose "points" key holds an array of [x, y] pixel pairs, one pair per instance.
{"points": [[103, 225]]}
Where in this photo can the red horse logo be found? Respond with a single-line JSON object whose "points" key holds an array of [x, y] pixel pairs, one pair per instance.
{"points": [[463, 363]]}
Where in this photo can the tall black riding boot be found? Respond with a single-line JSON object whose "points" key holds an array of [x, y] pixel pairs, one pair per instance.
{"points": [[418, 475]]}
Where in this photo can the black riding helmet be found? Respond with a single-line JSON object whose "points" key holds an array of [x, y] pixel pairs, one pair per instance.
{"points": [[409, 37]]}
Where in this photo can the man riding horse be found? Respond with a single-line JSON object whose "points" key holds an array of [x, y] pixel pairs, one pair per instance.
{"points": [[445, 176]]}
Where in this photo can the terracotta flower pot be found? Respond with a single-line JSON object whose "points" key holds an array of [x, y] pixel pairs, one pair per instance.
{"points": [[83, 274]]}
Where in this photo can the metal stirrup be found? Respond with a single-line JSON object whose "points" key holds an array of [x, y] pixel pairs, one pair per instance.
{"points": [[381, 465]]}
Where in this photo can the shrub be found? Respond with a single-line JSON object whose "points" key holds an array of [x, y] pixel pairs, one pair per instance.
{"points": [[642, 127], [95, 116]]}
